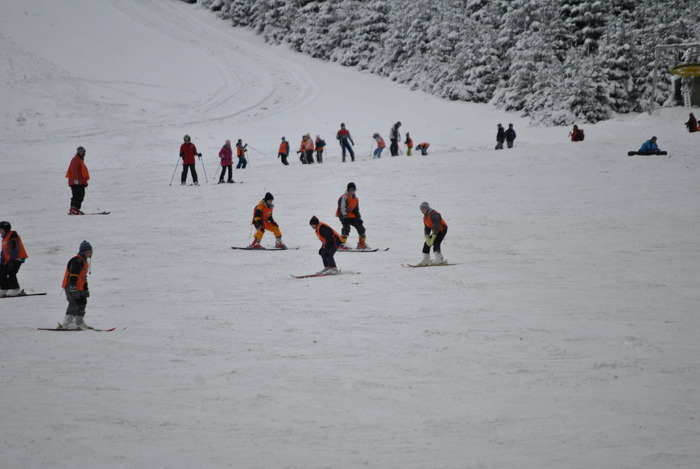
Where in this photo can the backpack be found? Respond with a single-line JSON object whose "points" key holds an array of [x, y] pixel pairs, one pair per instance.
{"points": [[579, 136]]}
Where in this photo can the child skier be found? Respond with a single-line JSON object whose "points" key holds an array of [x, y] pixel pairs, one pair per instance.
{"points": [[76, 287], [12, 257], [381, 145], [348, 212], [262, 220], [330, 240], [435, 231]]}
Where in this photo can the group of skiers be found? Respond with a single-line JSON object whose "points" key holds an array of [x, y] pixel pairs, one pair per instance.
{"points": [[348, 213]]}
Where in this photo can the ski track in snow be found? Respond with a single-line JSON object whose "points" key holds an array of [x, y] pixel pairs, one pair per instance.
{"points": [[566, 336]]}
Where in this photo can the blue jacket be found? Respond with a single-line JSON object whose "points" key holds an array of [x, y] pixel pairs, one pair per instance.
{"points": [[649, 146]]}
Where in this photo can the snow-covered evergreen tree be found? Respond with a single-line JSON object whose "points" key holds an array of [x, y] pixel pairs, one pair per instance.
{"points": [[555, 60]]}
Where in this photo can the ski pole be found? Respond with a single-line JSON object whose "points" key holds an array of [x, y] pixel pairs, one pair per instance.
{"points": [[205, 170], [263, 154], [176, 165]]}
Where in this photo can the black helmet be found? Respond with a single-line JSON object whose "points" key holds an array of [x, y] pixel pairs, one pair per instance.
{"points": [[269, 196], [351, 185], [186, 138], [5, 226], [80, 151]]}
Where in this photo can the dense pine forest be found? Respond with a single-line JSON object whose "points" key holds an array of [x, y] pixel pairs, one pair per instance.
{"points": [[557, 61]]}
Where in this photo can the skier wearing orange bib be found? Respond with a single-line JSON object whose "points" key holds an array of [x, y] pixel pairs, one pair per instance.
{"points": [[435, 231], [330, 240], [262, 220]]}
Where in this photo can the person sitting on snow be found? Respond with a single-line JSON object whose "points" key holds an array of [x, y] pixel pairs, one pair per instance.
{"points": [[650, 148]]}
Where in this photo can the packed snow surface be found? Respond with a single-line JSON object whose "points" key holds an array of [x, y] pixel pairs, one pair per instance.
{"points": [[565, 337]]}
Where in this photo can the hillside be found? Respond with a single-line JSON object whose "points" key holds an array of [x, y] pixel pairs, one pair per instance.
{"points": [[565, 336]]}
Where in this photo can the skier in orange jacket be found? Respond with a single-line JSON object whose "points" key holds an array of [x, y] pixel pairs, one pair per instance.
{"points": [[78, 176]]}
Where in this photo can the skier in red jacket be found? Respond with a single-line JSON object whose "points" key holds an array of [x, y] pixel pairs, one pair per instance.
{"points": [[187, 152]]}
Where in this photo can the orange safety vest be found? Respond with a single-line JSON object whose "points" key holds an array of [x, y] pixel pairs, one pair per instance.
{"points": [[306, 145], [324, 240], [239, 151], [380, 142], [353, 202], [21, 254], [284, 147], [409, 143], [264, 210], [429, 223], [82, 276]]}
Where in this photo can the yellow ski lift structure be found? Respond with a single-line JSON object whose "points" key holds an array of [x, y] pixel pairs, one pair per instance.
{"points": [[685, 70]]}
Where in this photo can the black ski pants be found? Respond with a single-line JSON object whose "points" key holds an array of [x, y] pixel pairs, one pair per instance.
{"points": [[78, 194], [8, 275], [190, 167]]}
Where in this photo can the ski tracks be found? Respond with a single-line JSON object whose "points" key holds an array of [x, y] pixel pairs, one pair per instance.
{"points": [[252, 84]]}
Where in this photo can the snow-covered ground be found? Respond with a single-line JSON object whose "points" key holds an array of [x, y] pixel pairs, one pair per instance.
{"points": [[566, 336]]}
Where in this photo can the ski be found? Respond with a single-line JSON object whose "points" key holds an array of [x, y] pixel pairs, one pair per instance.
{"points": [[63, 329], [324, 274], [98, 213], [22, 294], [427, 265], [248, 248], [361, 250]]}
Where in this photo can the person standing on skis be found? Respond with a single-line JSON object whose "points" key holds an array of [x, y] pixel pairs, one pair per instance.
{"points": [[346, 143], [330, 240], [262, 220], [320, 145], [12, 256], [78, 177], [409, 145], [226, 156], [306, 149], [348, 212], [435, 231], [283, 152], [394, 137], [187, 152], [241, 150], [380, 145], [75, 285]]}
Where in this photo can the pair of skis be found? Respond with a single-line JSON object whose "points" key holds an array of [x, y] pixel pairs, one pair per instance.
{"points": [[22, 294], [63, 329]]}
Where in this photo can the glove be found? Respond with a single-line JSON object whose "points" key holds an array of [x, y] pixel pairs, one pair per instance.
{"points": [[199, 154], [73, 291], [430, 239]]}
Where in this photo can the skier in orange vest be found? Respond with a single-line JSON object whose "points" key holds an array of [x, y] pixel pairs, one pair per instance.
{"points": [[330, 240], [75, 285], [381, 145], [348, 212], [12, 257], [435, 231], [262, 220]]}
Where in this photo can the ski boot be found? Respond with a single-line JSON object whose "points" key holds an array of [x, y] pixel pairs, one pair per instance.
{"points": [[426, 260], [279, 244], [255, 244], [80, 323], [361, 244], [439, 259], [68, 322]]}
